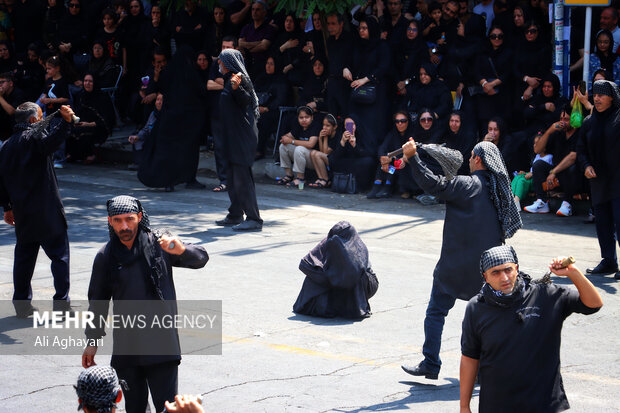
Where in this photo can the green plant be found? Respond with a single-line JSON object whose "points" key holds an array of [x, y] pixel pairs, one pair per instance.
{"points": [[306, 8], [299, 7]]}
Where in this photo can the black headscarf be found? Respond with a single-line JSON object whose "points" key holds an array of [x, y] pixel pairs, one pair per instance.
{"points": [[233, 60], [607, 61], [432, 135], [374, 33]]}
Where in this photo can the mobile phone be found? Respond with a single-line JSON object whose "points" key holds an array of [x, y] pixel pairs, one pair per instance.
{"points": [[349, 126], [582, 87]]}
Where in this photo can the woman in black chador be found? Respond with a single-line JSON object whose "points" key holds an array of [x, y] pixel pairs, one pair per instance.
{"points": [[239, 112], [171, 157]]}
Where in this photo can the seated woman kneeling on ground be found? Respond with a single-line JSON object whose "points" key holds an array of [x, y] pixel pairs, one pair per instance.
{"points": [[296, 145]]}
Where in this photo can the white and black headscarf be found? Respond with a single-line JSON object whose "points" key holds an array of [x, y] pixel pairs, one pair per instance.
{"points": [[232, 60], [499, 187], [497, 256], [607, 88], [125, 204], [98, 387]]}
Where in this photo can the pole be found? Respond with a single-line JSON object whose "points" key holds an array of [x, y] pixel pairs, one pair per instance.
{"points": [[586, 45], [558, 32]]}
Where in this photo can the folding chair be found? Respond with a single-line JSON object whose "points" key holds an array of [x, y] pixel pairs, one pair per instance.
{"points": [[111, 91], [283, 110]]}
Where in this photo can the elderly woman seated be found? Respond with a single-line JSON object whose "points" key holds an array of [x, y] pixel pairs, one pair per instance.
{"points": [[296, 145]]}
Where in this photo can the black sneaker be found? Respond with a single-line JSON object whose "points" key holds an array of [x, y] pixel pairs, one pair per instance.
{"points": [[374, 191], [249, 225], [228, 222], [421, 370], [603, 268], [25, 311]]}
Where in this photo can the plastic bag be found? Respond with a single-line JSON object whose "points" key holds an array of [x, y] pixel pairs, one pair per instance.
{"points": [[576, 116]]}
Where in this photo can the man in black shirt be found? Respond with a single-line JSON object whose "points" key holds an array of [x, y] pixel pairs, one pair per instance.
{"points": [[31, 201], [339, 47], [137, 265], [560, 140], [512, 333]]}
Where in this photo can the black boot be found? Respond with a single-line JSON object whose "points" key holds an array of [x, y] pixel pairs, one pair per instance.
{"points": [[374, 191]]}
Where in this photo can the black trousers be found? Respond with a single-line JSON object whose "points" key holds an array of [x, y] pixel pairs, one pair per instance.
{"points": [[242, 193], [571, 181], [57, 250], [161, 379], [221, 164], [608, 228]]}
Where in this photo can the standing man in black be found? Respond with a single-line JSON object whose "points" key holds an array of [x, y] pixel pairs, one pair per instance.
{"points": [[136, 265], [480, 214], [598, 151], [512, 332], [339, 49], [31, 201], [239, 112]]}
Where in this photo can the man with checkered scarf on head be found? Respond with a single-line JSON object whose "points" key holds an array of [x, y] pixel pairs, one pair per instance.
{"points": [[136, 265], [512, 333], [480, 214]]}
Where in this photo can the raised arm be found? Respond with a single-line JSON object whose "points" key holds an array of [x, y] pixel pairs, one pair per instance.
{"points": [[588, 294]]}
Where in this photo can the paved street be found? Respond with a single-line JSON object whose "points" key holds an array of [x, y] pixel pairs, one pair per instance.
{"points": [[276, 361]]}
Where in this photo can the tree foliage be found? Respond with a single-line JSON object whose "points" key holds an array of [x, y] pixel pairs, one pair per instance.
{"points": [[299, 7]]}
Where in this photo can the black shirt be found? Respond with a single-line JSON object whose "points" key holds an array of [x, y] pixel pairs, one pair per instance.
{"points": [[560, 147], [56, 89], [304, 135], [519, 348]]}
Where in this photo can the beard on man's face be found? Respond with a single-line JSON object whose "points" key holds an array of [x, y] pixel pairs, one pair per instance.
{"points": [[125, 235]]}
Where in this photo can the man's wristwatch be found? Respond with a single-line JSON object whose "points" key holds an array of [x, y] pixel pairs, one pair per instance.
{"points": [[293, 142]]}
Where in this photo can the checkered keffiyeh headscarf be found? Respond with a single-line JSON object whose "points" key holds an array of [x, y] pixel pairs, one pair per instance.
{"points": [[233, 60], [497, 256], [125, 204], [607, 88], [499, 186], [98, 387]]}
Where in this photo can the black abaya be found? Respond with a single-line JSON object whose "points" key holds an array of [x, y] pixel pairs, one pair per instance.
{"points": [[171, 157]]}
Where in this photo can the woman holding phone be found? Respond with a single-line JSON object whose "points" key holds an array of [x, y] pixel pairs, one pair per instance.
{"points": [[354, 154]]}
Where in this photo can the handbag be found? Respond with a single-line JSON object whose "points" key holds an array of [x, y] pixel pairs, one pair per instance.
{"points": [[263, 98], [344, 183], [365, 94]]}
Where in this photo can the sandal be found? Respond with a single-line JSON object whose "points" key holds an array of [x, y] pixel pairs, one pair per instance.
{"points": [[319, 184], [295, 182], [220, 188], [286, 180]]}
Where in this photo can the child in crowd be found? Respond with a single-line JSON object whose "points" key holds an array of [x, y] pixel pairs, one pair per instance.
{"points": [[137, 141], [522, 182]]}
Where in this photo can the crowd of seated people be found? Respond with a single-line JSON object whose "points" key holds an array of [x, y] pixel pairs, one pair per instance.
{"points": [[364, 81]]}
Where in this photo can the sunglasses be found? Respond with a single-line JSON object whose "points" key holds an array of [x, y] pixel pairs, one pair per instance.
{"points": [[531, 31], [426, 119], [400, 121], [74, 5], [496, 36], [412, 29]]}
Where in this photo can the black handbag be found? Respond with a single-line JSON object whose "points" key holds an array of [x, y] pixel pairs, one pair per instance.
{"points": [[344, 183], [365, 94]]}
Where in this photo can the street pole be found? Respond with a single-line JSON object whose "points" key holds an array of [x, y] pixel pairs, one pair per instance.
{"points": [[586, 45]]}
